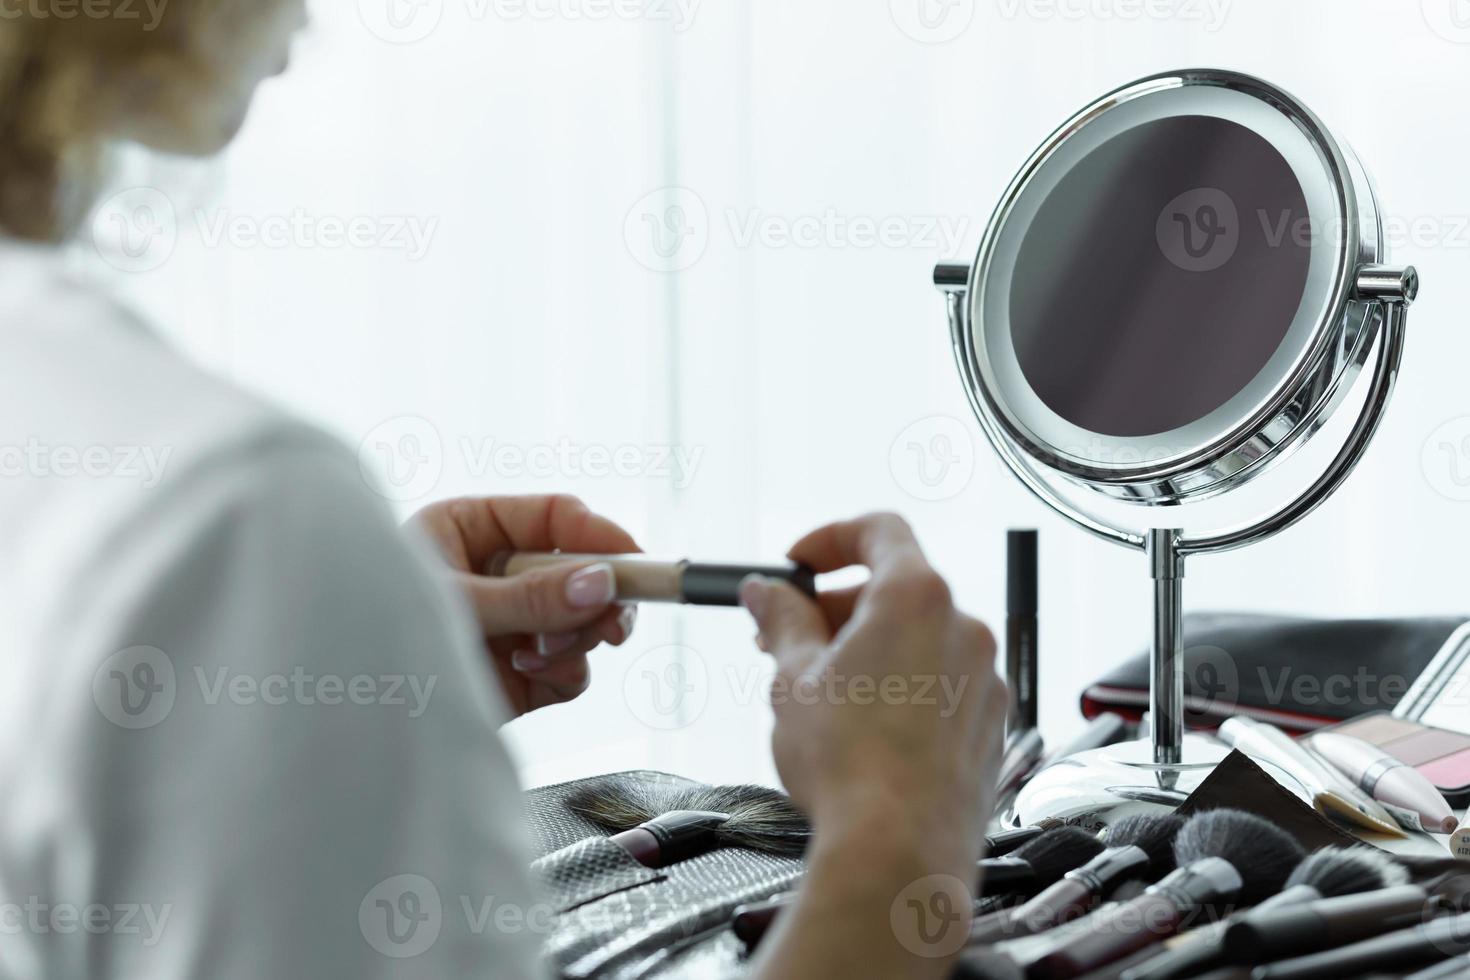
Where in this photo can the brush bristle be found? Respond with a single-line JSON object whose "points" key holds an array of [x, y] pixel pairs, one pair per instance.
{"points": [[1058, 851], [1155, 834], [1348, 871], [1263, 854], [761, 818]]}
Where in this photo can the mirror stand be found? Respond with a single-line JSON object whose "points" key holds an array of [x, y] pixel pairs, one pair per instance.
{"points": [[1102, 785]]}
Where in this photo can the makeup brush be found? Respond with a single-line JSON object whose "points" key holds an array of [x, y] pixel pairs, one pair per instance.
{"points": [[1040, 863], [1328, 873], [1003, 842], [1455, 969], [1139, 847], [1310, 926], [1223, 856], [1033, 866], [660, 824], [1422, 945]]}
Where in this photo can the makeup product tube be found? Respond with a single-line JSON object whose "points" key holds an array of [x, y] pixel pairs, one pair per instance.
{"points": [[643, 579], [1403, 791], [1331, 792], [1021, 629], [1460, 841]]}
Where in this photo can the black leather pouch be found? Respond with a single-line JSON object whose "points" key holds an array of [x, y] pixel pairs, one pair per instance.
{"points": [[1299, 674]]}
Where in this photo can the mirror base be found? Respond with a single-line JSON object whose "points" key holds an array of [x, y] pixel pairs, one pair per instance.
{"points": [[1097, 788]]}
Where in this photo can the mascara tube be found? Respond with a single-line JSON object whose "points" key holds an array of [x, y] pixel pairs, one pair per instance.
{"points": [[1021, 629]]}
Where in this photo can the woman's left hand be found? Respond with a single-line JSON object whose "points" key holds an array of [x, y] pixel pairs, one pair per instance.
{"points": [[538, 626]]}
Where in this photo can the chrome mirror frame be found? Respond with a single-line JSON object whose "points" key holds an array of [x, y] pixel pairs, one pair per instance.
{"points": [[1365, 305]]}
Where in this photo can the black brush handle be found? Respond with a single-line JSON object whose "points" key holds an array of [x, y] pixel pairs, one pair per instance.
{"points": [[1397, 952], [1006, 874], [672, 837], [1131, 926], [1311, 926], [751, 922]]}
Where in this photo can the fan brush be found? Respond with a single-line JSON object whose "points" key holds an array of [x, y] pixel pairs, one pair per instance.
{"points": [[664, 823]]}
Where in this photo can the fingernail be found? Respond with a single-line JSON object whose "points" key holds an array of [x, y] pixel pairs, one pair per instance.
{"points": [[526, 661], [592, 586], [627, 619], [550, 644], [753, 595]]}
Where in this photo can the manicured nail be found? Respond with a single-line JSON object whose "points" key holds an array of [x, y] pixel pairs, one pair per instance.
{"points": [[754, 594], [627, 619], [592, 586], [550, 644], [526, 661]]}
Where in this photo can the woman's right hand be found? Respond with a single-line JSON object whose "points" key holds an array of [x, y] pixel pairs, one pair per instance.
{"points": [[889, 728]]}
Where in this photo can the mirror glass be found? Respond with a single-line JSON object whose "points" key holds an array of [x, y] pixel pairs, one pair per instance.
{"points": [[1171, 261]]}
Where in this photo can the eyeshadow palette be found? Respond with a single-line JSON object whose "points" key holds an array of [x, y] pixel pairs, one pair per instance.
{"points": [[1440, 698], [1442, 756]]}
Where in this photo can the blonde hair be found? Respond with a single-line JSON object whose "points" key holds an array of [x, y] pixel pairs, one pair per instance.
{"points": [[72, 85]]}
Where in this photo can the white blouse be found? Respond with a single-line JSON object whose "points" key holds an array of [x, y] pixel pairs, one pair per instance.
{"points": [[244, 730]]}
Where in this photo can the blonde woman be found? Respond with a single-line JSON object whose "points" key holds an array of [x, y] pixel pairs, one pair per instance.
{"points": [[248, 727]]}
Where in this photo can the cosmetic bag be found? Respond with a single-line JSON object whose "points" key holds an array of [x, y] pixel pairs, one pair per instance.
{"points": [[610, 917], [1296, 673]]}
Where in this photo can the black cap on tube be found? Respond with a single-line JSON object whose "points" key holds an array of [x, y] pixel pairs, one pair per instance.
{"points": [[1021, 573]]}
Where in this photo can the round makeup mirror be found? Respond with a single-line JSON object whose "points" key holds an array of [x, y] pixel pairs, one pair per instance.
{"points": [[1175, 292]]}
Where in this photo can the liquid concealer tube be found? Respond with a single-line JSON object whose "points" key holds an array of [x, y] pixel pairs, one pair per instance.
{"points": [[643, 579]]}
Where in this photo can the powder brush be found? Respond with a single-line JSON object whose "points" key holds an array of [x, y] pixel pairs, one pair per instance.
{"points": [[1139, 847], [1327, 873], [1223, 856]]}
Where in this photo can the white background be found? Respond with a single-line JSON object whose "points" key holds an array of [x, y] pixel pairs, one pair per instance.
{"points": [[531, 142]]}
